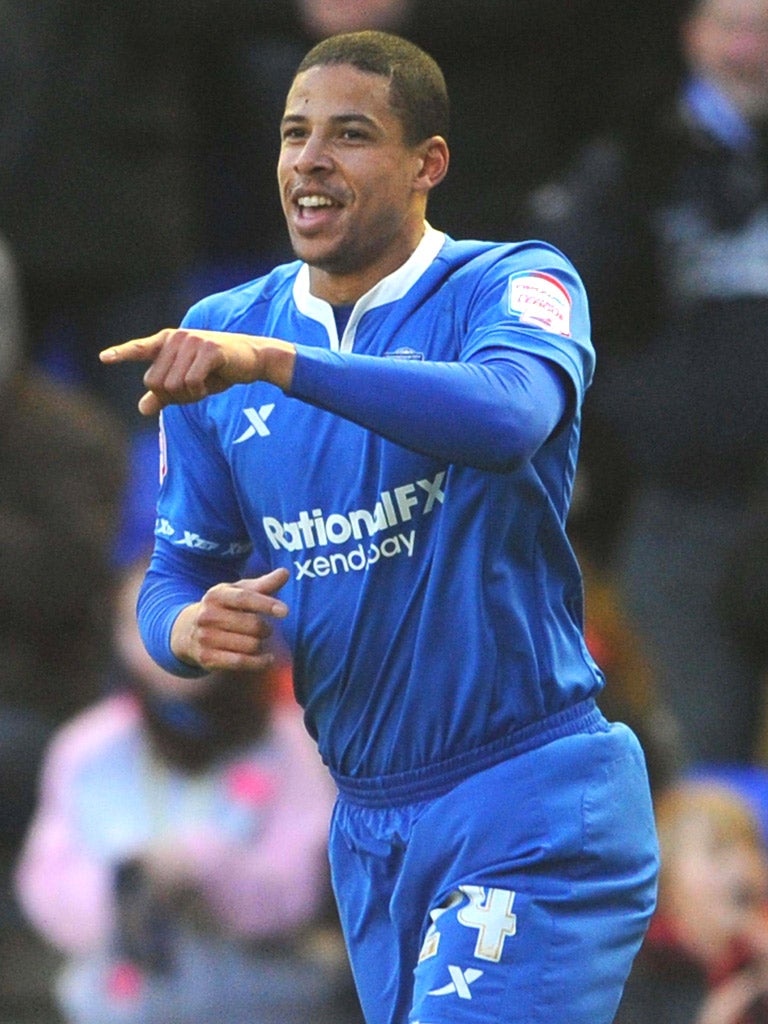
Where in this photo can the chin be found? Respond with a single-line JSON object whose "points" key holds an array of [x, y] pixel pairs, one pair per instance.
{"points": [[331, 262], [310, 251]]}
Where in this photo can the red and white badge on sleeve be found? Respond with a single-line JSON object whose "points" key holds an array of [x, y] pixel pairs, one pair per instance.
{"points": [[540, 300]]}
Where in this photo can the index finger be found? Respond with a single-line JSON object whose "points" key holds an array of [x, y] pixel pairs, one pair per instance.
{"points": [[134, 351]]}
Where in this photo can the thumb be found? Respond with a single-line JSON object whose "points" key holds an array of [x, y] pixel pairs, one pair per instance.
{"points": [[150, 404], [269, 584]]}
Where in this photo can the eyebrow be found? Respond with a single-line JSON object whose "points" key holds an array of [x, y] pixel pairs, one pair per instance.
{"points": [[339, 119]]}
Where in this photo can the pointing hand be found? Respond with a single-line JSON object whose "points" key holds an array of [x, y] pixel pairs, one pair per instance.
{"points": [[187, 365]]}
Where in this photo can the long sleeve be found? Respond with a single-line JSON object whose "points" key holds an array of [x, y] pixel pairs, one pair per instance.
{"points": [[492, 413], [64, 888]]}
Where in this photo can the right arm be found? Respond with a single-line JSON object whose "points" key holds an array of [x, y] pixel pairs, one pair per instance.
{"points": [[192, 623]]}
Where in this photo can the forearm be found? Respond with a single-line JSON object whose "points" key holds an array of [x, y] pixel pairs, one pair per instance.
{"points": [[63, 886], [492, 415], [65, 893], [172, 585], [259, 893]]}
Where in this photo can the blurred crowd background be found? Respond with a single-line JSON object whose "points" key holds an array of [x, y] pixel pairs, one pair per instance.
{"points": [[162, 859]]}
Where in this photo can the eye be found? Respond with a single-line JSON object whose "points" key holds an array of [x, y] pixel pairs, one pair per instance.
{"points": [[293, 133], [350, 134]]}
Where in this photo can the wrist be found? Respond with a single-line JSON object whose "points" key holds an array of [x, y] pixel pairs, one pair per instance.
{"points": [[182, 633], [280, 362]]}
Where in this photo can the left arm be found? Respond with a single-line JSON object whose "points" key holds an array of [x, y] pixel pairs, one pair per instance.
{"points": [[492, 412]]}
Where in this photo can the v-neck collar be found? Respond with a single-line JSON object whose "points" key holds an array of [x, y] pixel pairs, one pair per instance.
{"points": [[392, 287]]}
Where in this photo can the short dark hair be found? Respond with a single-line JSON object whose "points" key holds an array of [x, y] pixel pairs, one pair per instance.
{"points": [[418, 93]]}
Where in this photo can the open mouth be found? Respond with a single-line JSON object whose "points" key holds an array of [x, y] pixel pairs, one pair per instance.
{"points": [[315, 210]]}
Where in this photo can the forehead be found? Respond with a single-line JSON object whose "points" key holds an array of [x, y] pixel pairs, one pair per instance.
{"points": [[340, 90], [746, 12]]}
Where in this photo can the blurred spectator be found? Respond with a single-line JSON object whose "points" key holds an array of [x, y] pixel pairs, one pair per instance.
{"points": [[667, 220], [743, 605], [322, 18], [705, 958], [98, 182], [177, 858], [744, 594], [631, 691], [528, 81], [61, 465]]}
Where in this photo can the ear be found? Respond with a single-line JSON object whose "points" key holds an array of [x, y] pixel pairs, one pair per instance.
{"points": [[432, 165]]}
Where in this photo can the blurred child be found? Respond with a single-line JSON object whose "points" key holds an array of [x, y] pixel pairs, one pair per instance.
{"points": [[178, 854], [705, 958]]}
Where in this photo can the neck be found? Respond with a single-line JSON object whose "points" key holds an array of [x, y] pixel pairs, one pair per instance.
{"points": [[344, 289]]}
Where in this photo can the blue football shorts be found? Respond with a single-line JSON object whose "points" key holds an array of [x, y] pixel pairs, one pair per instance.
{"points": [[520, 895]]}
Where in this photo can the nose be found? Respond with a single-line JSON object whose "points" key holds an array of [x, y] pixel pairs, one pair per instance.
{"points": [[312, 155], [747, 43]]}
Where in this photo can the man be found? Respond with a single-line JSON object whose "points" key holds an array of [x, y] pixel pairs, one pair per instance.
{"points": [[667, 221], [402, 469]]}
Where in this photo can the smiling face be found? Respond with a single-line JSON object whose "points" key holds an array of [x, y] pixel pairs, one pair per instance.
{"points": [[353, 192]]}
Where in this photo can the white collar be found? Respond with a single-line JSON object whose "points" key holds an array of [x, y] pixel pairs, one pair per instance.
{"points": [[390, 288]]}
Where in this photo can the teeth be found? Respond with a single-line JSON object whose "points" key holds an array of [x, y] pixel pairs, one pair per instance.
{"points": [[315, 201]]}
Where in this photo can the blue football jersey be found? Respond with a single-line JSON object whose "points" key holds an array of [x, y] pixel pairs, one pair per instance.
{"points": [[435, 606]]}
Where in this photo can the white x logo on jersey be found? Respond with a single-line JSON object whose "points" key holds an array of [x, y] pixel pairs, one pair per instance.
{"points": [[257, 421], [459, 983]]}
